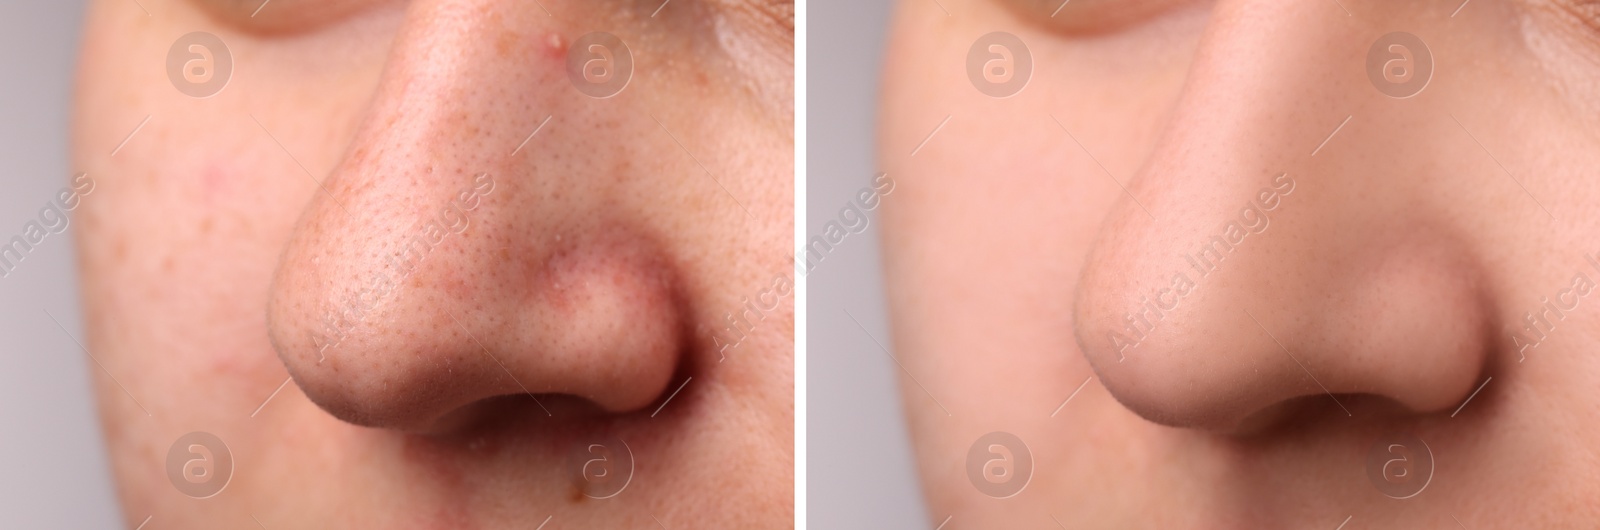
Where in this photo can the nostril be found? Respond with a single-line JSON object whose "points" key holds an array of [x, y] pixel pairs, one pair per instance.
{"points": [[607, 313], [1398, 319]]}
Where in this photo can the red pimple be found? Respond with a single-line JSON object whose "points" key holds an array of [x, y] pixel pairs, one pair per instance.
{"points": [[216, 182], [554, 46]]}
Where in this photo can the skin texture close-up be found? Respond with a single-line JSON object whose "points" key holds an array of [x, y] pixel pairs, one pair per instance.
{"points": [[1247, 263], [441, 263], [1061, 264]]}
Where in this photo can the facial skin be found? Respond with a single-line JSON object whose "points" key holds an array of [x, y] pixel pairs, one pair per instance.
{"points": [[1390, 278], [362, 209]]}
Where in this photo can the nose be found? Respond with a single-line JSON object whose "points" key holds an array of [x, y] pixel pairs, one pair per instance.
{"points": [[1248, 276], [463, 250]]}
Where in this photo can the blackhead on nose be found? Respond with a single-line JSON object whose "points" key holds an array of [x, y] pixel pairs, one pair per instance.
{"points": [[434, 271]]}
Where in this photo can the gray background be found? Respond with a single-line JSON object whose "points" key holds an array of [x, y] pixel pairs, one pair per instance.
{"points": [[859, 466], [56, 473]]}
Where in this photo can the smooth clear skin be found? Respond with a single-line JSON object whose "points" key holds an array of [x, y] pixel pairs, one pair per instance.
{"points": [[1394, 271], [597, 268]]}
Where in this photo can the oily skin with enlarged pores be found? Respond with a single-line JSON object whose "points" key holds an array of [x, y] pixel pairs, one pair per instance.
{"points": [[355, 262]]}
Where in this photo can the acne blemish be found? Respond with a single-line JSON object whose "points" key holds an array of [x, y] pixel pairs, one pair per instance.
{"points": [[217, 183], [554, 46]]}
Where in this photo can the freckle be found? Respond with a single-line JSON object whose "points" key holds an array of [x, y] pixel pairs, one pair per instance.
{"points": [[577, 491], [502, 43], [205, 226]]}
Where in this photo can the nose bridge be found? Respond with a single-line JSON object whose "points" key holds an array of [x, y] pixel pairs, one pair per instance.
{"points": [[434, 270], [1266, 77], [429, 165], [1249, 271], [462, 81], [1209, 203]]}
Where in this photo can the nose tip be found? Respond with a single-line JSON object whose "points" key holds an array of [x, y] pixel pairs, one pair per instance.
{"points": [[1161, 312], [385, 331], [1215, 314]]}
